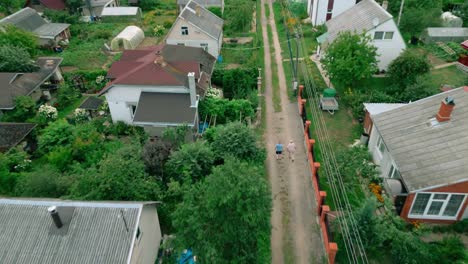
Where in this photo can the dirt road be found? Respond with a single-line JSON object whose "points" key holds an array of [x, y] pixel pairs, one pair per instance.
{"points": [[295, 234]]}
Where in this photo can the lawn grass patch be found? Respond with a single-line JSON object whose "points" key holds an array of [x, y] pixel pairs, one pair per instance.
{"points": [[450, 75]]}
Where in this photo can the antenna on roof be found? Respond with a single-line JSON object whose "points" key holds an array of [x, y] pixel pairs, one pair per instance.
{"points": [[123, 218], [375, 21]]}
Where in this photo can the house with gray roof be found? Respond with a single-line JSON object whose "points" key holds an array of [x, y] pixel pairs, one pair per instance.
{"points": [[370, 18], [422, 152], [196, 26], [33, 84], [159, 87], [12, 134], [204, 3], [49, 34], [37, 231]]}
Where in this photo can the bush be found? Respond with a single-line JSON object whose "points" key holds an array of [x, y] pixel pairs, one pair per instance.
{"points": [[66, 95], [24, 109], [61, 158], [43, 182], [47, 113], [154, 155], [147, 5], [16, 59], [93, 80], [167, 24], [59, 16], [57, 134], [237, 83], [13, 36], [404, 70], [225, 110], [216, 10], [421, 88]]}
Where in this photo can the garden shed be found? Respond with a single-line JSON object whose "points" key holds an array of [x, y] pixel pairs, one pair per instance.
{"points": [[129, 38], [445, 34]]}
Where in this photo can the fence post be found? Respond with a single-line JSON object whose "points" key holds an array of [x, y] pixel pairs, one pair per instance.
{"points": [[301, 88], [333, 248], [321, 200], [307, 125], [325, 210], [301, 109], [316, 168]]}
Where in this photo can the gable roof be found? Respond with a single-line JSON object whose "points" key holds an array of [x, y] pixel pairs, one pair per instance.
{"points": [[19, 84], [51, 4], [377, 108], [91, 103], [11, 134], [166, 65], [360, 18], [205, 3], [427, 156], [202, 18], [29, 20], [93, 232]]}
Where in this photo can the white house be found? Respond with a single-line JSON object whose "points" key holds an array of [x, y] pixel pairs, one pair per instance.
{"points": [[372, 19], [197, 27], [422, 151], [320, 11], [159, 87]]}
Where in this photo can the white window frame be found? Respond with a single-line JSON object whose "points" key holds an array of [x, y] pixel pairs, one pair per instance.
{"points": [[392, 170], [204, 46], [184, 30], [384, 34], [440, 216], [377, 147]]}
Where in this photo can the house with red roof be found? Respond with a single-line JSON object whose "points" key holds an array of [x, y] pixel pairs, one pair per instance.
{"points": [[40, 5], [158, 87]]}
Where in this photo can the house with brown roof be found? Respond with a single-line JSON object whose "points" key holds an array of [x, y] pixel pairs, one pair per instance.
{"points": [[421, 149], [158, 87], [33, 84]]}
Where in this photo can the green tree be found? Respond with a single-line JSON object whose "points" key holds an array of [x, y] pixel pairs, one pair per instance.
{"points": [[350, 59], [223, 217], [16, 59], [192, 161], [57, 134], [234, 139], [464, 13], [24, 109], [42, 182], [66, 95], [147, 5], [238, 83], [59, 16], [74, 5], [119, 176], [176, 136], [154, 155], [10, 6], [216, 10], [405, 69], [13, 36], [238, 15]]}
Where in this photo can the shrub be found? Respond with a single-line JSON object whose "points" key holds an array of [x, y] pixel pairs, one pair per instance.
{"points": [[14, 36], [167, 24], [61, 158], [237, 83], [216, 10], [43, 182], [66, 95], [158, 30], [59, 16], [94, 80], [57, 134], [154, 155], [404, 70], [16, 59], [47, 113], [24, 109], [147, 5], [80, 115]]}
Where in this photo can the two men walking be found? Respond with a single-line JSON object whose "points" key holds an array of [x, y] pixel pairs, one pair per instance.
{"points": [[291, 148]]}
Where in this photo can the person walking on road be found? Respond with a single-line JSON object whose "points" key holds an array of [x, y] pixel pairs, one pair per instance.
{"points": [[291, 150], [279, 150]]}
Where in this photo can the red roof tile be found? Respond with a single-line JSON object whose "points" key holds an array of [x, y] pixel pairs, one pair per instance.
{"points": [[54, 4]]}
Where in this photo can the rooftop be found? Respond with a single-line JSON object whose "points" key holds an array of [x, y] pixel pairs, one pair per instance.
{"points": [[377, 108], [195, 14], [91, 103], [205, 3], [11, 134], [447, 31], [362, 17], [428, 154], [92, 232]]}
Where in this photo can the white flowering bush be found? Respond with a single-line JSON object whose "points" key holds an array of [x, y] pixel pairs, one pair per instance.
{"points": [[158, 30], [23, 165], [100, 79], [81, 115], [213, 93], [47, 112]]}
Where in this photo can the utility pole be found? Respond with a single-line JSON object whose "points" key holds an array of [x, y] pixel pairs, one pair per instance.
{"points": [[401, 11]]}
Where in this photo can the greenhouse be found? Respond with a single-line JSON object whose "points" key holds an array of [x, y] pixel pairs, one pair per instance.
{"points": [[129, 38], [445, 34]]}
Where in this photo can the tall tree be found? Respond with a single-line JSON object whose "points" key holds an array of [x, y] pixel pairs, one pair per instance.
{"points": [[223, 217], [238, 14], [10, 6], [350, 59], [13, 36], [16, 59]]}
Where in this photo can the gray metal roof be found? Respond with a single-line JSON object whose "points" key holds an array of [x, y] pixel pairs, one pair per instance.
{"points": [[447, 32], [203, 19], [18, 84], [154, 108], [359, 18], [92, 232], [205, 3], [427, 155], [91, 103], [11, 134], [29, 20]]}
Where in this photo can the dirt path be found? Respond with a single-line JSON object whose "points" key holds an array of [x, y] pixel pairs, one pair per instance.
{"points": [[295, 233]]}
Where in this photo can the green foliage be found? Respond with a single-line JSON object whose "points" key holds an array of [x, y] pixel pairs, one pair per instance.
{"points": [[59, 16], [299, 9], [90, 78], [154, 155], [66, 95], [421, 88], [237, 83], [119, 176], [441, 53], [191, 162], [464, 13], [235, 199], [348, 48], [11, 162], [43, 182], [176, 136], [356, 162], [167, 24], [458, 227], [354, 100], [10, 6], [24, 109], [16, 59], [225, 110], [61, 158], [74, 5], [404, 70], [216, 10], [234, 139], [57, 134], [87, 144], [14, 36], [238, 15], [147, 5]]}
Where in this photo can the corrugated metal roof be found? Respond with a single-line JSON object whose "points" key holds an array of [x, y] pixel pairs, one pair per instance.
{"points": [[153, 108], [96, 233], [50, 30], [377, 108], [447, 32], [205, 3], [203, 19], [427, 155], [120, 11], [11, 134], [359, 18]]}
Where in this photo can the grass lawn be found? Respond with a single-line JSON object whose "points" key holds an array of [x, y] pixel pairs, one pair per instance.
{"points": [[450, 75], [62, 113]]}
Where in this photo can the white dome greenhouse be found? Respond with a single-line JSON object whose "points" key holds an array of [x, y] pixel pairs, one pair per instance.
{"points": [[129, 38]]}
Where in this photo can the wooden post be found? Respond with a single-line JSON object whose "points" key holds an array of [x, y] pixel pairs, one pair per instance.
{"points": [[332, 249], [322, 196]]}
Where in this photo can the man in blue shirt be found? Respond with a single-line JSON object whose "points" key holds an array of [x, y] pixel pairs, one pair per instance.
{"points": [[279, 150]]}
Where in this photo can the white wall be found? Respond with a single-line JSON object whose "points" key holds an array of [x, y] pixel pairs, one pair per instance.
{"points": [[383, 161], [318, 11], [194, 38], [388, 50], [120, 96], [146, 246]]}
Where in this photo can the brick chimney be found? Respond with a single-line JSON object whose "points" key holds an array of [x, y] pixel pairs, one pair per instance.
{"points": [[445, 110]]}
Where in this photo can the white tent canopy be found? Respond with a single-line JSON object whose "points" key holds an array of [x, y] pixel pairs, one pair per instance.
{"points": [[129, 38]]}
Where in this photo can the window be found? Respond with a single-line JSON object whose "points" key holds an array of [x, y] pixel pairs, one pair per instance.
{"points": [[379, 35], [181, 44], [204, 46], [381, 146], [393, 173], [184, 30], [436, 205], [132, 107]]}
